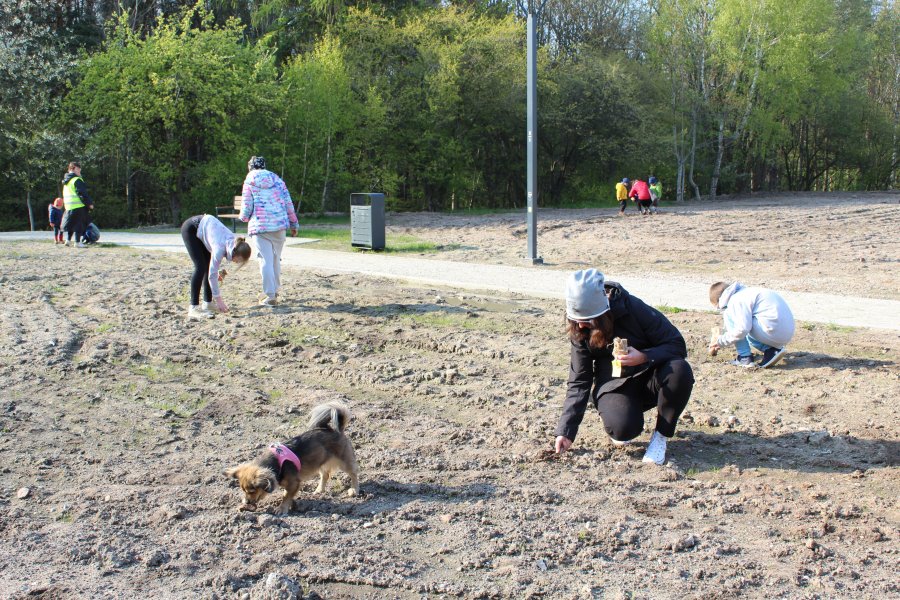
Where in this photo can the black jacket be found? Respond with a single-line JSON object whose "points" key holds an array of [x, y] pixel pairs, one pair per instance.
{"points": [[590, 370]]}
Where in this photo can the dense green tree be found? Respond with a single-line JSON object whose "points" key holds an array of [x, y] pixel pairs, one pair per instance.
{"points": [[33, 71], [175, 99]]}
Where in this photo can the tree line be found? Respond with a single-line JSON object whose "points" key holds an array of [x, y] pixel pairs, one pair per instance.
{"points": [[163, 101]]}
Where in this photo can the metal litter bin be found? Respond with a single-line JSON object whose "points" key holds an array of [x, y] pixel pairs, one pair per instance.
{"points": [[367, 221]]}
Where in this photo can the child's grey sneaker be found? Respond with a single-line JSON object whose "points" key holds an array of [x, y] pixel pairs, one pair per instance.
{"points": [[744, 361], [772, 356]]}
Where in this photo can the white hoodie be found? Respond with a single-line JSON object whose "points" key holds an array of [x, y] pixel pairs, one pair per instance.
{"points": [[756, 311]]}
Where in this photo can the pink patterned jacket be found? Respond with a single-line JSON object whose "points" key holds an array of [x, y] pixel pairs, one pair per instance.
{"points": [[267, 205]]}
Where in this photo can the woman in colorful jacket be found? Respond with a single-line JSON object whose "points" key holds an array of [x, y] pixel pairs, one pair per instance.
{"points": [[652, 372], [269, 211]]}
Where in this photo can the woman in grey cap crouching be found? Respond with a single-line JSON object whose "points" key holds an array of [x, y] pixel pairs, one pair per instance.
{"points": [[651, 373]]}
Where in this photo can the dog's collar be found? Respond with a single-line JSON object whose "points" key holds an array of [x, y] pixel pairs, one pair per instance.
{"points": [[283, 453]]}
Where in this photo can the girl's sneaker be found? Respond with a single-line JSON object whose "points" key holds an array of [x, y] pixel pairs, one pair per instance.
{"points": [[772, 356], [744, 361], [656, 449], [209, 307], [198, 314]]}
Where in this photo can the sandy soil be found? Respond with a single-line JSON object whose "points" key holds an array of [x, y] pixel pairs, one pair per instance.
{"points": [[118, 418]]}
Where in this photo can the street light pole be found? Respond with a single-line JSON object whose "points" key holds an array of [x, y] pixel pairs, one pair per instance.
{"points": [[531, 85]]}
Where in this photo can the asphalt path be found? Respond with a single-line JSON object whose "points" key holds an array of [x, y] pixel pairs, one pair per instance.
{"points": [[529, 280]]}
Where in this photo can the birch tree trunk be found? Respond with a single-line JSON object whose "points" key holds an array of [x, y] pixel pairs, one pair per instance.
{"points": [[30, 213]]}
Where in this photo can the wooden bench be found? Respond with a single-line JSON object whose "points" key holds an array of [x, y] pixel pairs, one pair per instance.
{"points": [[232, 212]]}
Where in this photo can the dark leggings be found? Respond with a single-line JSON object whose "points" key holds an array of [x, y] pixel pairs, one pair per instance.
{"points": [[74, 222], [666, 387], [201, 257]]}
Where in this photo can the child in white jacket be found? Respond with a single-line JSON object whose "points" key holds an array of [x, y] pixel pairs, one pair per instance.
{"points": [[753, 316]]}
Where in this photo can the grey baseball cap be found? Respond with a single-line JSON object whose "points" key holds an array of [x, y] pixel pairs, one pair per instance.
{"points": [[585, 295]]}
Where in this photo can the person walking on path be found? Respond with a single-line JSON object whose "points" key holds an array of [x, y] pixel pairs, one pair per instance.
{"points": [[622, 194], [753, 316], [641, 191], [655, 193], [269, 212], [652, 371], [209, 243], [55, 214], [77, 203]]}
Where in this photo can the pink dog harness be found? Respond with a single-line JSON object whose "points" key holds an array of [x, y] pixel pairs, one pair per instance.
{"points": [[283, 453]]}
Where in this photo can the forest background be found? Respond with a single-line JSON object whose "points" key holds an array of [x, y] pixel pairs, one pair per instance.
{"points": [[163, 101]]}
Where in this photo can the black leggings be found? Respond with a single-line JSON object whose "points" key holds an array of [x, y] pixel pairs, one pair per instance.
{"points": [[201, 257], [666, 387]]}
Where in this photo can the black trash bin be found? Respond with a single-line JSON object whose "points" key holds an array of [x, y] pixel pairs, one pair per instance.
{"points": [[367, 221]]}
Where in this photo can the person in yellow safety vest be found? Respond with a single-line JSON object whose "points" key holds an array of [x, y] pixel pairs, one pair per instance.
{"points": [[77, 203]]}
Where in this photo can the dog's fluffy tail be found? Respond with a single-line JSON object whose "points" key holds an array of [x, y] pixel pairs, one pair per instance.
{"points": [[331, 415]]}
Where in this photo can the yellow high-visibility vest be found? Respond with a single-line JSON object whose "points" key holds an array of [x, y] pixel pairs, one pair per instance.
{"points": [[71, 199]]}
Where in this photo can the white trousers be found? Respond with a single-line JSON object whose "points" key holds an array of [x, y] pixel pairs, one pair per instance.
{"points": [[268, 254]]}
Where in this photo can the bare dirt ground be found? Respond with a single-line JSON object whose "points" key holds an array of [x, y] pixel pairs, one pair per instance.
{"points": [[801, 242], [117, 419]]}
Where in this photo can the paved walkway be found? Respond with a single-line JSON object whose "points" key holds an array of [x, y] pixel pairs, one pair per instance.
{"points": [[528, 280]]}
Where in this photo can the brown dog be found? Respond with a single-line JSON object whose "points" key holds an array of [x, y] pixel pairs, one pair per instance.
{"points": [[320, 450]]}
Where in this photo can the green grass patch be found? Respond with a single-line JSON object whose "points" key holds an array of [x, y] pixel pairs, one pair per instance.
{"points": [[165, 371], [146, 230], [444, 320], [324, 219], [104, 327], [669, 310], [338, 238], [183, 406]]}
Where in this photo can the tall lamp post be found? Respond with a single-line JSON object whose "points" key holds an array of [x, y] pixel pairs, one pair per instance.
{"points": [[531, 84]]}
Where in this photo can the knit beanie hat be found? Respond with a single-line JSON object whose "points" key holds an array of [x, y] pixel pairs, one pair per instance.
{"points": [[256, 162], [585, 295]]}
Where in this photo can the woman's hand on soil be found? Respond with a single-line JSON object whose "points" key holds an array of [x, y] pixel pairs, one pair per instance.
{"points": [[220, 304], [562, 444], [633, 358]]}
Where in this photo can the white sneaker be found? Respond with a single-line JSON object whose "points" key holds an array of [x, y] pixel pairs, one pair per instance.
{"points": [[197, 313], [69, 243], [656, 449], [268, 301], [209, 307], [619, 444], [80, 245]]}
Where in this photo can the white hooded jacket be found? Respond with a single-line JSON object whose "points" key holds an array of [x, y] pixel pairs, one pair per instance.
{"points": [[756, 311]]}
